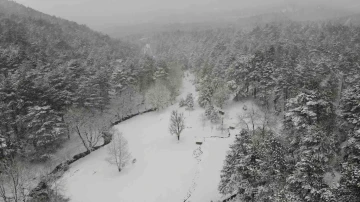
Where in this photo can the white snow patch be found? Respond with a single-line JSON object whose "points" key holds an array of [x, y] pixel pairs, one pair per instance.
{"points": [[166, 170]]}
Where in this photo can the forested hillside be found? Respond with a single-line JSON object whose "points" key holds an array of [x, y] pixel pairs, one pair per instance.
{"points": [[52, 69], [59, 78], [306, 73]]}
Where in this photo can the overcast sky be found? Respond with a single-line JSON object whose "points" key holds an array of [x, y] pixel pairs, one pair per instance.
{"points": [[103, 13], [95, 12]]}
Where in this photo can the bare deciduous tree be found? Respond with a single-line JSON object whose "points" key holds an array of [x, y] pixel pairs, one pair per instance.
{"points": [[177, 123], [119, 154], [250, 118], [158, 96], [254, 118], [222, 126], [125, 103], [90, 135], [88, 125], [15, 181]]}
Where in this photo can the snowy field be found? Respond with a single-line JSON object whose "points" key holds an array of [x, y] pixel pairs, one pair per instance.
{"points": [[166, 170]]}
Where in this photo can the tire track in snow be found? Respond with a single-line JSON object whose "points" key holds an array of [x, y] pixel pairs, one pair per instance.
{"points": [[197, 155]]}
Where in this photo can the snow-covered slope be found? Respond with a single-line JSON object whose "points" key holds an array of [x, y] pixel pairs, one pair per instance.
{"points": [[166, 170]]}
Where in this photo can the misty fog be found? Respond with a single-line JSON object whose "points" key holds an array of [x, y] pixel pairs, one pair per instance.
{"points": [[104, 14]]}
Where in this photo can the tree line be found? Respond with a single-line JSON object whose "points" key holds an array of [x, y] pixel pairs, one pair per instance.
{"points": [[305, 73], [57, 78]]}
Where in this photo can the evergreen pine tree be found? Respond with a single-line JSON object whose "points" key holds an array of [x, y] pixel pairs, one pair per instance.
{"points": [[189, 102], [350, 168]]}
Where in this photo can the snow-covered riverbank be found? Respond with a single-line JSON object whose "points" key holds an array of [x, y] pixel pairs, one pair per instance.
{"points": [[166, 169]]}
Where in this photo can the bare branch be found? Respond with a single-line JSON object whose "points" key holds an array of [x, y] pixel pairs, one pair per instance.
{"points": [[119, 154], [177, 123]]}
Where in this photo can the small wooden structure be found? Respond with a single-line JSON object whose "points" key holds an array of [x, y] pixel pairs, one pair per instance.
{"points": [[199, 141]]}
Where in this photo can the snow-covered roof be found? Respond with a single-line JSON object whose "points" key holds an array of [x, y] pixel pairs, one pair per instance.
{"points": [[199, 139]]}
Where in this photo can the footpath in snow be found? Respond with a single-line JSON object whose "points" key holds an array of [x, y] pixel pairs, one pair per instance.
{"points": [[166, 170]]}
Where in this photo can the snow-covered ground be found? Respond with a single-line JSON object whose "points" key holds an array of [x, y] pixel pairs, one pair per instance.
{"points": [[166, 170]]}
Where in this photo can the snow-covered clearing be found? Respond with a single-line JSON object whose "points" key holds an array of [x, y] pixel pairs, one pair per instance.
{"points": [[166, 170]]}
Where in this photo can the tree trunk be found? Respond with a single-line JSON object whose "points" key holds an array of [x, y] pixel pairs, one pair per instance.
{"points": [[275, 102], [82, 139], [68, 130], [67, 127], [178, 136]]}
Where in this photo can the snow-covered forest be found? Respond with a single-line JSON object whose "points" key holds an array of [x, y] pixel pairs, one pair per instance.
{"points": [[267, 112], [306, 74]]}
